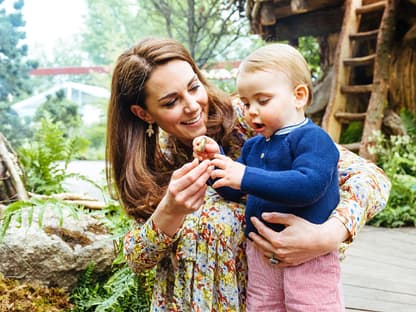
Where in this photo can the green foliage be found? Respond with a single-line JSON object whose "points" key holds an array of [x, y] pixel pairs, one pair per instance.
{"points": [[14, 71], [409, 122], [207, 28], [59, 109], [397, 156], [12, 127], [121, 291], [228, 86], [14, 68], [95, 134], [111, 27], [45, 159], [352, 133], [309, 47], [25, 210]]}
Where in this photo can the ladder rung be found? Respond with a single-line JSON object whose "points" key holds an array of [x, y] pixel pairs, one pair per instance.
{"points": [[354, 147], [345, 117], [364, 35], [359, 61], [357, 88], [377, 6]]}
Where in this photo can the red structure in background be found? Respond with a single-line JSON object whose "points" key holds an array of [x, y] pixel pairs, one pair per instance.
{"points": [[69, 71], [227, 65]]}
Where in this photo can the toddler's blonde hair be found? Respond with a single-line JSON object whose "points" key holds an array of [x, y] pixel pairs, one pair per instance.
{"points": [[282, 58]]}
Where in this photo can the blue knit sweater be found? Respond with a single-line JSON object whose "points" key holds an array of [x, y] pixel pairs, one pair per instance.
{"points": [[294, 171]]}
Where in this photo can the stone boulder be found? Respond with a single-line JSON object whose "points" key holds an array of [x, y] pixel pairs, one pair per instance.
{"points": [[55, 254]]}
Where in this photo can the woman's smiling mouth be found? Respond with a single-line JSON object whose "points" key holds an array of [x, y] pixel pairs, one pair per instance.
{"points": [[192, 121]]}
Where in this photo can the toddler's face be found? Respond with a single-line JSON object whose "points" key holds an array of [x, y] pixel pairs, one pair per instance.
{"points": [[271, 101]]}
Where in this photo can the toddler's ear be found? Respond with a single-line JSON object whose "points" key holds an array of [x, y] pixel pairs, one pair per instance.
{"points": [[301, 95]]}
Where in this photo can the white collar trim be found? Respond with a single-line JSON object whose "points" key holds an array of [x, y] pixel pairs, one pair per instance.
{"points": [[289, 129]]}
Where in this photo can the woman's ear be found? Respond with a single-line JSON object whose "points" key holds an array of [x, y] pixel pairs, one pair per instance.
{"points": [[301, 95], [140, 112]]}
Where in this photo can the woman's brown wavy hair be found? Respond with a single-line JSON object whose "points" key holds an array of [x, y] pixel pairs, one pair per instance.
{"points": [[137, 171]]}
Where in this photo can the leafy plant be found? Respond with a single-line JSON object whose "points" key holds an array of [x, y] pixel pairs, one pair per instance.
{"points": [[45, 159], [24, 211], [59, 109], [123, 290], [309, 47], [397, 156], [352, 133], [409, 122]]}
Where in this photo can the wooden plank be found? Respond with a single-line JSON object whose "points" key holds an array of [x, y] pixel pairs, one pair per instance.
{"points": [[289, 28], [294, 7], [357, 88], [344, 117], [379, 273], [377, 6], [360, 61], [364, 35]]}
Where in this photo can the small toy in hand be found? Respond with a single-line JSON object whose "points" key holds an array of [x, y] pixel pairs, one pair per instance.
{"points": [[204, 148], [200, 144]]}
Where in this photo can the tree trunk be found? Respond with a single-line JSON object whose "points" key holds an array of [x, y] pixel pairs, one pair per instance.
{"points": [[11, 185]]}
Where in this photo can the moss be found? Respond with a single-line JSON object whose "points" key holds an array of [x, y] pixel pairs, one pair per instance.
{"points": [[17, 297]]}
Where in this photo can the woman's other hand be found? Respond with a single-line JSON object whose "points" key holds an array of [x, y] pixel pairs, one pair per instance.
{"points": [[185, 194], [300, 241]]}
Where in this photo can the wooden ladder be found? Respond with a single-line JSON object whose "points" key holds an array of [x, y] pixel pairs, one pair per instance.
{"points": [[361, 68]]}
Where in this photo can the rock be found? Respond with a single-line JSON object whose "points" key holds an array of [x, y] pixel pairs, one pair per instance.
{"points": [[55, 255]]}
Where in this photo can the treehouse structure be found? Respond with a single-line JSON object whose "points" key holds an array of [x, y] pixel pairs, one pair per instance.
{"points": [[368, 55]]}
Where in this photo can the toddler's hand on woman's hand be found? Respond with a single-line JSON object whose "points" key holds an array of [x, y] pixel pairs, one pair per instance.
{"points": [[204, 148]]}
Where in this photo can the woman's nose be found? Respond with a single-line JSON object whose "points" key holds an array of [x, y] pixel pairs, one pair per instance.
{"points": [[191, 104]]}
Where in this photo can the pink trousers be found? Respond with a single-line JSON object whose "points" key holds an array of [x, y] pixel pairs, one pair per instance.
{"points": [[310, 287]]}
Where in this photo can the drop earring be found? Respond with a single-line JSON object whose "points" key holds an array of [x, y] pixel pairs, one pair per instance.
{"points": [[149, 130]]}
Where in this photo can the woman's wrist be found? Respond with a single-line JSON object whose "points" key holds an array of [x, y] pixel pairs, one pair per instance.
{"points": [[333, 233], [167, 222]]}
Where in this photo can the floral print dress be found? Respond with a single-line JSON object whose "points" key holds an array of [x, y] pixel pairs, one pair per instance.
{"points": [[203, 267]]}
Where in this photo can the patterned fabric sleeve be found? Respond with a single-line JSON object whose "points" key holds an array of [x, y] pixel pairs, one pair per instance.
{"points": [[364, 191], [145, 245]]}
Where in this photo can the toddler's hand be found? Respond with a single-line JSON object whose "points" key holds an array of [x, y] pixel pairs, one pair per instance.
{"points": [[204, 147]]}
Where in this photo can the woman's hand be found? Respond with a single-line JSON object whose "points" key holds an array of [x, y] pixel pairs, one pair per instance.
{"points": [[300, 241], [185, 194]]}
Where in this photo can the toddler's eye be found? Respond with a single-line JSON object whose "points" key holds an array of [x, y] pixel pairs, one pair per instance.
{"points": [[263, 100]]}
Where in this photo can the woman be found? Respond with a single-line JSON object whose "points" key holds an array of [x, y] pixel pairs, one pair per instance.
{"points": [[193, 236]]}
